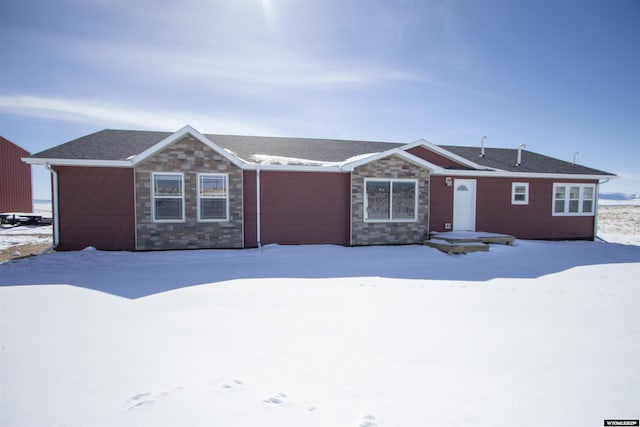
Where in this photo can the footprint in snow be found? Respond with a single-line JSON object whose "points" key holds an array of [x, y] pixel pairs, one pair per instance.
{"points": [[141, 404], [368, 420], [139, 400], [144, 399], [139, 396], [278, 399], [230, 386]]}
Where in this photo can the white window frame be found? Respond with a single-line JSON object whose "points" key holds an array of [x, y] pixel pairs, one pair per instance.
{"points": [[581, 199], [154, 197], [514, 185], [225, 198], [391, 181]]}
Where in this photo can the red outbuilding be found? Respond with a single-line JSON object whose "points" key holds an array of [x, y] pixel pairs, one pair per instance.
{"points": [[15, 178]]}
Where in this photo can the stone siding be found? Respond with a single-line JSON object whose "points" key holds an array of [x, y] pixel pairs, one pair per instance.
{"points": [[383, 233], [189, 156]]}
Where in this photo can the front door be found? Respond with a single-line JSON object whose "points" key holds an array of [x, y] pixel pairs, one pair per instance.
{"points": [[464, 205]]}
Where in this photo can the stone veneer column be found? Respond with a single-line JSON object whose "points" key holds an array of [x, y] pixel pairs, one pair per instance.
{"points": [[189, 156], [382, 233]]}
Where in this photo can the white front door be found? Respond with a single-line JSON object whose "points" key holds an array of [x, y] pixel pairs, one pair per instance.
{"points": [[464, 205]]}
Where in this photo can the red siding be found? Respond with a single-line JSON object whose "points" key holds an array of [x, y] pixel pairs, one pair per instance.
{"points": [[304, 208], [434, 158], [96, 207], [249, 202], [15, 178], [495, 213], [440, 204]]}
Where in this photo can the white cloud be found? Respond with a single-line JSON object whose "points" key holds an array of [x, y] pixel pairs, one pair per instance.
{"points": [[247, 63], [84, 111]]}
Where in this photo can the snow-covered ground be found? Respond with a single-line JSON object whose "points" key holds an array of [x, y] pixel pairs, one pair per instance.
{"points": [[539, 333], [22, 235], [619, 221], [30, 234]]}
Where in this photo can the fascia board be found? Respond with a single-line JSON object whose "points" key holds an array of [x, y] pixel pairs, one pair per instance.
{"points": [[78, 162], [505, 174], [445, 153], [186, 130]]}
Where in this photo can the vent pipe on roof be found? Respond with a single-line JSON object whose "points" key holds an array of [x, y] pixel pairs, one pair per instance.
{"points": [[575, 155], [520, 147], [482, 140]]}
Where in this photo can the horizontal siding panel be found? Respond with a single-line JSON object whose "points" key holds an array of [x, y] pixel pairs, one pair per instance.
{"points": [[305, 208], [96, 208]]}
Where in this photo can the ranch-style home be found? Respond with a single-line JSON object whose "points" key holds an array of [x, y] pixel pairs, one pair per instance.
{"points": [[142, 190]]}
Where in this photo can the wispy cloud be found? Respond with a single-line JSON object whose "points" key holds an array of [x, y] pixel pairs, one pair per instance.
{"points": [[255, 64], [87, 111]]}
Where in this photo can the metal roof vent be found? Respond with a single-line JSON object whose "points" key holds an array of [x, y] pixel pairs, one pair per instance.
{"points": [[575, 155], [520, 148], [482, 140]]}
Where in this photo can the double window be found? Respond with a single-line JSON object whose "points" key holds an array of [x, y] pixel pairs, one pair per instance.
{"points": [[168, 194], [213, 197], [388, 200], [574, 199], [168, 197]]}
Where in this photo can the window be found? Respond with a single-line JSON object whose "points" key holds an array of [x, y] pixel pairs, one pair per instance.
{"points": [[520, 193], [168, 197], [390, 200], [213, 197], [573, 199]]}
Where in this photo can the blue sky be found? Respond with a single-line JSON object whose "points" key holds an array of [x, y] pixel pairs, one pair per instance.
{"points": [[558, 76]]}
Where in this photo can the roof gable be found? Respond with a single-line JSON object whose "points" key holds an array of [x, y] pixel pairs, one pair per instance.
{"points": [[187, 130], [439, 150], [394, 152], [10, 145]]}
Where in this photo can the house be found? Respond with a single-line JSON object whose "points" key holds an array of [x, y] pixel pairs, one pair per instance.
{"points": [[15, 178], [140, 190]]}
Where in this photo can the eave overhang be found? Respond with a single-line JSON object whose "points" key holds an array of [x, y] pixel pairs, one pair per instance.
{"points": [[78, 162]]}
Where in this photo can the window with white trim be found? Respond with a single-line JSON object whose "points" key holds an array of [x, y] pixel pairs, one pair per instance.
{"points": [[574, 199], [168, 197], [387, 200], [519, 193], [213, 197]]}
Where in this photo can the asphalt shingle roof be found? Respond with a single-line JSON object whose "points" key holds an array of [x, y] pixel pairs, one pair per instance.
{"points": [[328, 150], [110, 144], [106, 144], [506, 158]]}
